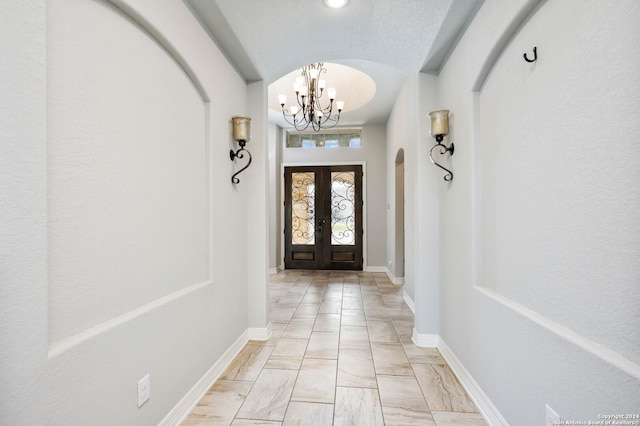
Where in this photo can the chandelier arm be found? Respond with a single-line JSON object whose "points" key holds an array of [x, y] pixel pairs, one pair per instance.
{"points": [[317, 101], [323, 118], [299, 125], [300, 104], [333, 121], [301, 128], [287, 120], [330, 109], [295, 121], [284, 114], [326, 115]]}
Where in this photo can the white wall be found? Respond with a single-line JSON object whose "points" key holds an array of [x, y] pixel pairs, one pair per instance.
{"points": [[373, 153], [408, 129], [402, 128], [123, 240], [539, 231], [256, 220], [275, 197]]}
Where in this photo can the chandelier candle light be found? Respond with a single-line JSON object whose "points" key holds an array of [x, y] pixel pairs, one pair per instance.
{"points": [[309, 90]]}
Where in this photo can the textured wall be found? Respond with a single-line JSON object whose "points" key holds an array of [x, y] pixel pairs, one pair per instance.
{"points": [[128, 196], [117, 258], [401, 134], [539, 237], [561, 230], [408, 128]]}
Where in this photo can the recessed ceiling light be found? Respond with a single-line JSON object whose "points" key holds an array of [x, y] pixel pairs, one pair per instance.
{"points": [[336, 3]]}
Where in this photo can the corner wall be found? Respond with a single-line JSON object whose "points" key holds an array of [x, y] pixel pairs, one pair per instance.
{"points": [[275, 198], [403, 128], [408, 129]]}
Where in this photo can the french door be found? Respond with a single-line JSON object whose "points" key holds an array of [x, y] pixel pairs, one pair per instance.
{"points": [[323, 217]]}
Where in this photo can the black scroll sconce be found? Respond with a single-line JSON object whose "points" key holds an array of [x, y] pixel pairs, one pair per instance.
{"points": [[241, 133], [440, 129]]}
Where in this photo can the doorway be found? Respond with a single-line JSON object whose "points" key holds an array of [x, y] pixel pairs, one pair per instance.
{"points": [[399, 222], [323, 217]]}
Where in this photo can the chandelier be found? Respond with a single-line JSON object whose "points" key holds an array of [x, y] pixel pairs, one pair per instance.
{"points": [[309, 90]]}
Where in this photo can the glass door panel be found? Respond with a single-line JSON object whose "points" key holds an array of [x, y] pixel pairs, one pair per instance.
{"points": [[343, 209], [303, 209]]}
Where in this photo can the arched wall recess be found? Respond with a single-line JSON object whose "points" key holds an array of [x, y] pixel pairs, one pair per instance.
{"points": [[163, 42], [133, 161], [506, 178], [506, 37]]}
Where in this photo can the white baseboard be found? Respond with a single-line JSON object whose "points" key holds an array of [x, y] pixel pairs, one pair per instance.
{"points": [[396, 280], [190, 400], [425, 340], [409, 301], [384, 269], [277, 269], [482, 401], [260, 333]]}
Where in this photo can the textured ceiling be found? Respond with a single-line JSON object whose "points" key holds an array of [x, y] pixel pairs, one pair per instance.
{"points": [[386, 39]]}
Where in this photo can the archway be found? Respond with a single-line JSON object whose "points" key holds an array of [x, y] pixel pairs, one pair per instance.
{"points": [[399, 215]]}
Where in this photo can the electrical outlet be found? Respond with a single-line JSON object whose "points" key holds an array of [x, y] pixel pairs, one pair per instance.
{"points": [[144, 390], [552, 418]]}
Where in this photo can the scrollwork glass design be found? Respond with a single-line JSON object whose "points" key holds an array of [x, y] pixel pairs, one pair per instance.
{"points": [[343, 208], [303, 217]]}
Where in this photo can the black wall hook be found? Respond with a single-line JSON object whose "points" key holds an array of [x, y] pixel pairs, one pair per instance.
{"points": [[535, 56]]}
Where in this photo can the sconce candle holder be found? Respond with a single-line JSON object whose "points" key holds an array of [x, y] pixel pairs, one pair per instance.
{"points": [[241, 133], [440, 129]]}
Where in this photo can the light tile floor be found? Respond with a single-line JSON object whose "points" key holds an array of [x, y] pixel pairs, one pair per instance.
{"points": [[340, 354]]}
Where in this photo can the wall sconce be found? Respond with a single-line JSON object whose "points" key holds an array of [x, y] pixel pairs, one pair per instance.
{"points": [[241, 133], [440, 129]]}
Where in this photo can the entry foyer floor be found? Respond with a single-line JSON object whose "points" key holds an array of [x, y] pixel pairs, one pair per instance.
{"points": [[340, 354]]}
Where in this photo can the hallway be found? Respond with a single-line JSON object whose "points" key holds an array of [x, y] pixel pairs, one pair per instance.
{"points": [[340, 354]]}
